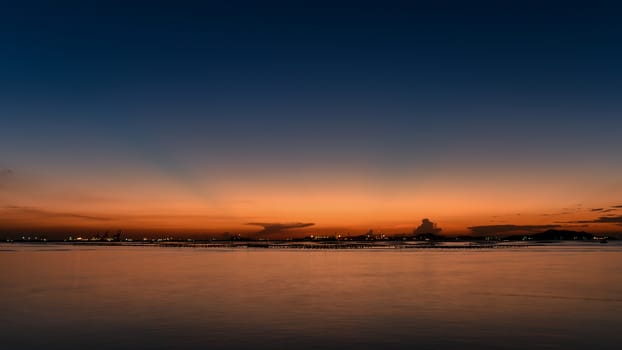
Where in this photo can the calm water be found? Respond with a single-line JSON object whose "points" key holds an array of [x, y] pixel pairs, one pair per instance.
{"points": [[65, 297]]}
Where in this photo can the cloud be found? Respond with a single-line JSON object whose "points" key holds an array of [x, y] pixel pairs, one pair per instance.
{"points": [[427, 226], [617, 206], [52, 214], [597, 209], [5, 176], [616, 219], [270, 228], [495, 229], [566, 212]]}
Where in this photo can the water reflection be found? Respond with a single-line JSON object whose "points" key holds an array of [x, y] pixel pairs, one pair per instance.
{"points": [[159, 298]]}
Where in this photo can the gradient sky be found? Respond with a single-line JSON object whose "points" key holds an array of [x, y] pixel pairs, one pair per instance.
{"points": [[206, 116]]}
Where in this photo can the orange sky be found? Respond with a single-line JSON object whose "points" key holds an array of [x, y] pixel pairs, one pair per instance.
{"points": [[148, 201]]}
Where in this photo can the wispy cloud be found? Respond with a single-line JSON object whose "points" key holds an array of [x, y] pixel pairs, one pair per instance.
{"points": [[494, 229], [5, 176]]}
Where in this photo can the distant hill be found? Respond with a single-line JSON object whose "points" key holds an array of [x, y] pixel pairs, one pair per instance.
{"points": [[554, 235]]}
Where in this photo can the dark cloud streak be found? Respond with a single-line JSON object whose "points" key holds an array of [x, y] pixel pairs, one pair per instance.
{"points": [[270, 228], [617, 219], [53, 214]]}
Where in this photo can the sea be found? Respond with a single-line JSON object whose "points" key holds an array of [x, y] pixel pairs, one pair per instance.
{"points": [[547, 296]]}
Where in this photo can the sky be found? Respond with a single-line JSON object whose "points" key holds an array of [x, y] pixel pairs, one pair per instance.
{"points": [[310, 116]]}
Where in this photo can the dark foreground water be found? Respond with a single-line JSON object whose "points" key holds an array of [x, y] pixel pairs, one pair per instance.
{"points": [[66, 297]]}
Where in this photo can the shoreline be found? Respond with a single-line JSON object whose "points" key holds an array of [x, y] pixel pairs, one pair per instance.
{"points": [[349, 245]]}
